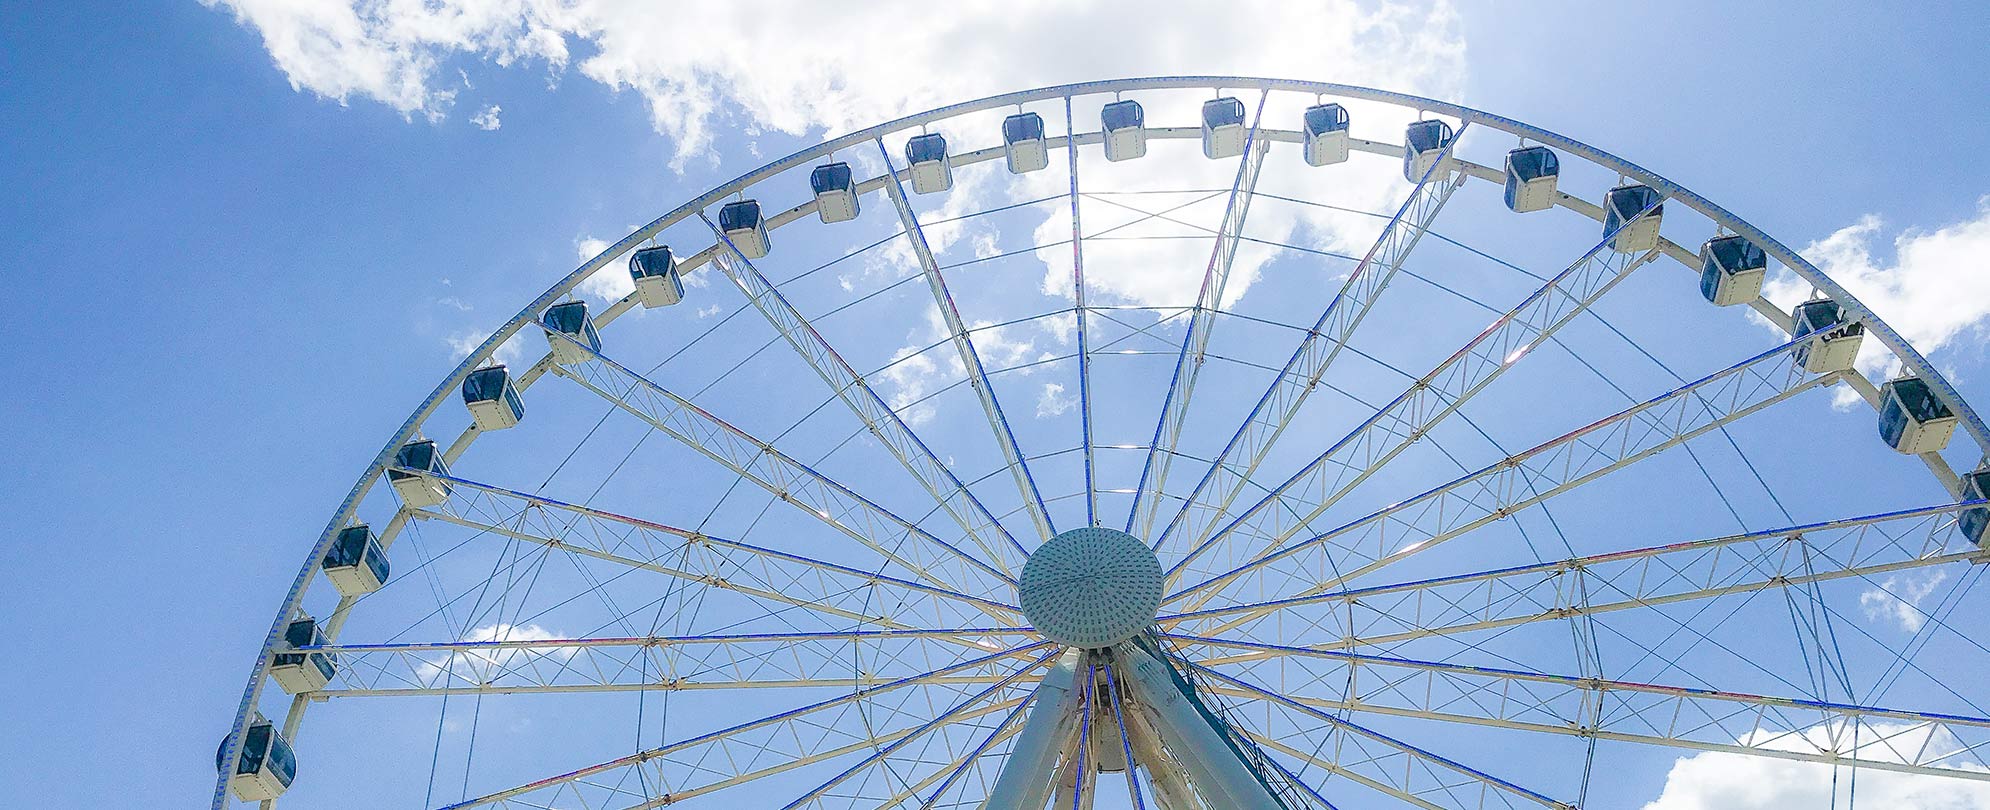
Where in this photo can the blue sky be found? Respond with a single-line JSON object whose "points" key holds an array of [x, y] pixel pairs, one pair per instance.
{"points": [[237, 266]]}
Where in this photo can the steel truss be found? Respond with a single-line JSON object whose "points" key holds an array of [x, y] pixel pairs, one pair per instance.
{"points": [[1208, 299], [1280, 404], [957, 331], [904, 544], [1313, 490], [879, 419], [1613, 581], [1701, 719], [1327, 560]]}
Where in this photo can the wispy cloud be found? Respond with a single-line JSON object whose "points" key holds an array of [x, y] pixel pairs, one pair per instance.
{"points": [[487, 119], [1899, 598], [1053, 401]]}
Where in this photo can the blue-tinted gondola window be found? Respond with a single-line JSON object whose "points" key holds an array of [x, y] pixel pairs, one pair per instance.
{"points": [[419, 455], [1122, 115], [1892, 423], [1326, 118], [1974, 521], [1025, 127], [830, 177], [740, 216], [486, 384], [1920, 400], [924, 148], [1533, 163], [1222, 112], [282, 761], [255, 743], [1625, 202], [655, 261], [349, 547], [1427, 135], [376, 561], [1816, 316], [568, 317], [1735, 254]]}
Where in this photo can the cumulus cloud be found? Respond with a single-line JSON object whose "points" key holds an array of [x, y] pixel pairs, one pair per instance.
{"points": [[1724, 781], [1933, 288], [828, 66], [391, 52], [606, 285]]}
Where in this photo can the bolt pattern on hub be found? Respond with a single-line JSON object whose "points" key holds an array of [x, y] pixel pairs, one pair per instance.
{"points": [[1091, 587]]}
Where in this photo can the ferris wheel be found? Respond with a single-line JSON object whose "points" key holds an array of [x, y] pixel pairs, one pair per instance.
{"points": [[1185, 442]]}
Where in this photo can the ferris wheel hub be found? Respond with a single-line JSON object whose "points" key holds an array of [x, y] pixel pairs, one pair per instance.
{"points": [[1091, 587]]}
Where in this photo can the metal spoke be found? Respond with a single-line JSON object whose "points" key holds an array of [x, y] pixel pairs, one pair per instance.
{"points": [[1215, 277], [1345, 748], [1405, 419], [1328, 560], [1614, 581], [1280, 402], [1005, 436], [1778, 727], [911, 548], [878, 417], [1078, 299], [661, 663], [757, 749], [959, 712], [777, 577]]}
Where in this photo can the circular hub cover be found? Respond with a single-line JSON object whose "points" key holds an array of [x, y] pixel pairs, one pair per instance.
{"points": [[1091, 587]]}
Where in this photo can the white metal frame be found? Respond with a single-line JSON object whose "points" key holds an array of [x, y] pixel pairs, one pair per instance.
{"points": [[984, 687]]}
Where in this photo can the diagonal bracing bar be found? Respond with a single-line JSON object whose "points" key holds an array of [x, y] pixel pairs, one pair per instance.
{"points": [[1188, 364], [777, 577], [1858, 547], [660, 663], [1345, 748], [742, 753], [1702, 719], [879, 419], [957, 330], [960, 712], [1247, 448], [1410, 416], [1326, 561], [896, 540]]}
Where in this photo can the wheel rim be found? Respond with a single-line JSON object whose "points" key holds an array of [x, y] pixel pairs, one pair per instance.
{"points": [[976, 548]]}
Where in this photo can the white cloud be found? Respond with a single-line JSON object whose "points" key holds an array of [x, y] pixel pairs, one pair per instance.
{"points": [[1053, 401], [1899, 598], [608, 284], [482, 665], [462, 343], [487, 119], [391, 51], [1724, 781], [826, 66], [829, 68], [1933, 289], [707, 312]]}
